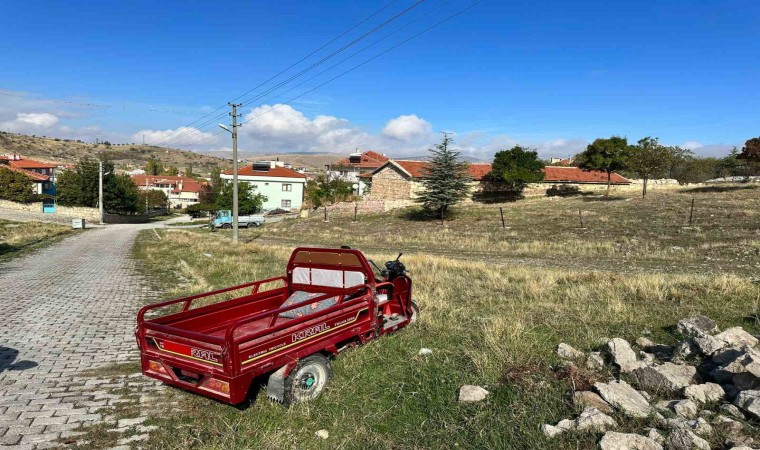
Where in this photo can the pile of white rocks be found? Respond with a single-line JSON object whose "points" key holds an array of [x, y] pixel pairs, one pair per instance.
{"points": [[706, 388]]}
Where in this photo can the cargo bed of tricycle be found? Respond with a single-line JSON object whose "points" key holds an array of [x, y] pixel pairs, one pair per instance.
{"points": [[328, 299]]}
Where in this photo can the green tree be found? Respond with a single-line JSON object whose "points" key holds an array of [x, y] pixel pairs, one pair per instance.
{"points": [[172, 171], [751, 150], [152, 199], [248, 201], [445, 179], [607, 155], [322, 191], [516, 168], [697, 170], [79, 187], [120, 195], [679, 158], [648, 159], [15, 186], [154, 167]]}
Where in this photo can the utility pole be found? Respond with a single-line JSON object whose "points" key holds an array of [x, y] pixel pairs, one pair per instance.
{"points": [[100, 191], [233, 131]]}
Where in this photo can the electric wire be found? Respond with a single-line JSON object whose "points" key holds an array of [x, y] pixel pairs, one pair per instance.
{"points": [[452, 16], [295, 63], [307, 69]]}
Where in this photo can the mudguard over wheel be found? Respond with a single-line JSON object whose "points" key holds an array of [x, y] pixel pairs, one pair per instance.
{"points": [[307, 380], [415, 312]]}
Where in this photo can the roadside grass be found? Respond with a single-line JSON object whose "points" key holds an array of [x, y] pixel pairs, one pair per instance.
{"points": [[17, 238], [631, 234], [495, 325]]}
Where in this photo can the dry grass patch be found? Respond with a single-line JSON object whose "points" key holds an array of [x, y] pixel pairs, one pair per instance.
{"points": [[19, 237], [495, 325]]}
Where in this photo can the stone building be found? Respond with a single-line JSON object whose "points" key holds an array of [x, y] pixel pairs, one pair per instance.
{"points": [[399, 181]]}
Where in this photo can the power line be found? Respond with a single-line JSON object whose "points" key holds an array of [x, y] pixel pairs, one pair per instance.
{"points": [[307, 69], [462, 11], [293, 65]]}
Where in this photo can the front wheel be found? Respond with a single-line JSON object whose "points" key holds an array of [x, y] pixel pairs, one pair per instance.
{"points": [[307, 381], [415, 312], [226, 226]]}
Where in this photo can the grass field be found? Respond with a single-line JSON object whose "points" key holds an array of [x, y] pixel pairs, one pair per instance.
{"points": [[19, 237], [495, 303]]}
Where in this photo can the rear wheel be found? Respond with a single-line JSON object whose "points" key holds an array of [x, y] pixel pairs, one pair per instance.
{"points": [[308, 380], [415, 312]]}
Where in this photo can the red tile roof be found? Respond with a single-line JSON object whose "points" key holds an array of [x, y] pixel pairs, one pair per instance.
{"points": [[281, 172], [552, 174], [555, 174], [188, 184], [33, 175], [370, 160], [477, 171], [30, 164]]}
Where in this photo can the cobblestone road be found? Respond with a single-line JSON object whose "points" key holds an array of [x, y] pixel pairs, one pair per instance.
{"points": [[64, 309]]}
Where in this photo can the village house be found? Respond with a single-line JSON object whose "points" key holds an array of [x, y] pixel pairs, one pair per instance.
{"points": [[357, 168], [399, 180], [41, 173], [282, 186], [181, 191]]}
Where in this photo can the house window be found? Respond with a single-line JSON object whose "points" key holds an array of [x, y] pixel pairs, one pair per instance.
{"points": [[285, 204], [287, 187]]}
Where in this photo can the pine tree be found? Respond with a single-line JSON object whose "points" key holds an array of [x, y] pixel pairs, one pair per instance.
{"points": [[445, 179]]}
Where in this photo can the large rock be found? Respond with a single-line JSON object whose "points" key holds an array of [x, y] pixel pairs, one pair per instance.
{"points": [[622, 355], [626, 441], [667, 377], [591, 419], [696, 325], [737, 337], [588, 399], [686, 409], [470, 393], [683, 439], [704, 393], [749, 401], [566, 351], [707, 344], [624, 398]]}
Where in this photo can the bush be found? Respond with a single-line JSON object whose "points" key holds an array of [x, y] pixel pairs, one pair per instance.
{"points": [[563, 190], [200, 210]]}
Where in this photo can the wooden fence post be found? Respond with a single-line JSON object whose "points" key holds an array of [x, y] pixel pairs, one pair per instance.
{"points": [[501, 211], [580, 216], [691, 212]]}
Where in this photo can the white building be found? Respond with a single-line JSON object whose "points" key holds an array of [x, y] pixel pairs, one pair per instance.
{"points": [[282, 186], [180, 191]]}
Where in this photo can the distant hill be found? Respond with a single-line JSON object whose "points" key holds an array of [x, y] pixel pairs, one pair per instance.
{"points": [[469, 159], [297, 159], [125, 156]]}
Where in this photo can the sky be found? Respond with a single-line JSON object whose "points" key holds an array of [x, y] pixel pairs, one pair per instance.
{"points": [[553, 75]]}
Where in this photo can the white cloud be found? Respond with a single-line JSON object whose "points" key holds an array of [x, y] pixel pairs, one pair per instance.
{"points": [[30, 123], [691, 145], [178, 137], [407, 128]]}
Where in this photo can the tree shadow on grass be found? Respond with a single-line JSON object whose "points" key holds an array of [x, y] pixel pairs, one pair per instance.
{"points": [[717, 189], [8, 361], [421, 215], [6, 248]]}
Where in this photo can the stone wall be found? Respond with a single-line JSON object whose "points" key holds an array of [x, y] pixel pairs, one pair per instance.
{"points": [[62, 214], [390, 184]]}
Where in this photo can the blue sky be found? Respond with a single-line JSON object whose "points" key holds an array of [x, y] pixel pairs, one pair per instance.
{"points": [[552, 74]]}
